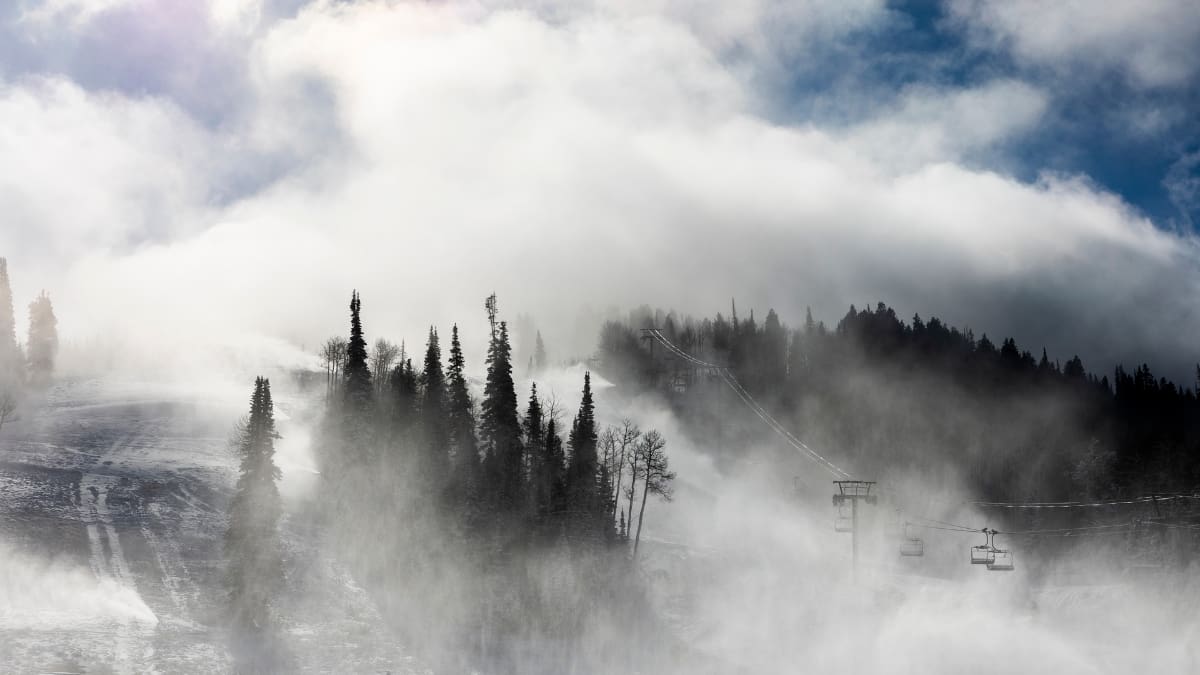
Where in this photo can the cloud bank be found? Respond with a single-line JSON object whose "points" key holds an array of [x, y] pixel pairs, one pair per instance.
{"points": [[564, 156]]}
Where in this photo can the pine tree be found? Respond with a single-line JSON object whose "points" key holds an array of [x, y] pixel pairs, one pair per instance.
{"points": [[433, 413], [773, 362], [583, 496], [357, 412], [405, 401], [555, 467], [357, 388], [460, 416], [535, 449], [255, 569], [501, 427], [10, 355], [42, 347], [539, 354]]}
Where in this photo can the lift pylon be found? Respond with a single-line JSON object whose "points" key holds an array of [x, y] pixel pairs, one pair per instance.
{"points": [[853, 491]]}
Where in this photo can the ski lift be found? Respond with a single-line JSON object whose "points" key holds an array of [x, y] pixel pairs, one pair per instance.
{"points": [[985, 553], [911, 546], [1003, 561], [843, 522]]}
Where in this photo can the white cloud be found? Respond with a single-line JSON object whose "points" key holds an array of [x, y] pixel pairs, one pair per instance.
{"points": [[931, 125], [238, 16], [1152, 41], [71, 12], [86, 172], [443, 153]]}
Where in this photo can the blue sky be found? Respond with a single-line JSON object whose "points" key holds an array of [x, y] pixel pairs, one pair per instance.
{"points": [[1090, 126], [1137, 140], [1022, 168]]}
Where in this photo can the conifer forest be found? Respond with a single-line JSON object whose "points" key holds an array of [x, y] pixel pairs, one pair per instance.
{"points": [[599, 338]]}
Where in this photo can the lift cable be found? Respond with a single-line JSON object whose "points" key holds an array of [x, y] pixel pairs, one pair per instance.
{"points": [[728, 378], [1147, 499]]}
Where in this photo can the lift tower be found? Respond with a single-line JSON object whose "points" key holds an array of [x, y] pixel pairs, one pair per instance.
{"points": [[854, 491]]}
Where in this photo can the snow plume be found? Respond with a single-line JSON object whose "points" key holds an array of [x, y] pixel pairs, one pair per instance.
{"points": [[41, 594]]}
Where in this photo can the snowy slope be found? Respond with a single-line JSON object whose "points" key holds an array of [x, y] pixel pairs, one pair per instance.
{"points": [[112, 496]]}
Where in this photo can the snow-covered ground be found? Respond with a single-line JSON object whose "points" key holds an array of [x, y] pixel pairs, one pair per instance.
{"points": [[112, 501], [112, 497]]}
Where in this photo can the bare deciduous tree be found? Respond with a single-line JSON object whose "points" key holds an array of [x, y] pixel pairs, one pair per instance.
{"points": [[656, 475], [633, 463], [383, 355], [333, 352], [618, 442]]}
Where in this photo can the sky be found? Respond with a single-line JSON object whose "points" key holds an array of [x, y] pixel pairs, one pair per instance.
{"points": [[224, 172]]}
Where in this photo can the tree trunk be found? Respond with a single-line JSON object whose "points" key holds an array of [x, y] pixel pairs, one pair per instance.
{"points": [[641, 514], [632, 487], [620, 470]]}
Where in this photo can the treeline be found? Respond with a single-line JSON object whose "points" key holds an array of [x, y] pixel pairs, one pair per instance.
{"points": [[884, 394], [450, 509], [31, 365]]}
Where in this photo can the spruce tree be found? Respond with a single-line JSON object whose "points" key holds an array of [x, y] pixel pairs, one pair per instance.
{"points": [[583, 498], [460, 415], [539, 354], [9, 352], [42, 347], [11, 370], [535, 440], [358, 401], [405, 401], [433, 413], [255, 569], [555, 467], [501, 427]]}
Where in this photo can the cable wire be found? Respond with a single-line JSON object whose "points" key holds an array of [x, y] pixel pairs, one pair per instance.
{"points": [[731, 381]]}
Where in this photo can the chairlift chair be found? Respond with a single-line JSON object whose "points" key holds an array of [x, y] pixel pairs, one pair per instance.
{"points": [[1003, 561], [985, 553], [911, 546]]}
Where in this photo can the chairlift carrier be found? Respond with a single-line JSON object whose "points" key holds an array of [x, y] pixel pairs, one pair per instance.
{"points": [[985, 553], [912, 546], [1003, 558]]}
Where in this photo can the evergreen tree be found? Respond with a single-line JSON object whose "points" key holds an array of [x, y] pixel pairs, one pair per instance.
{"points": [[405, 401], [460, 415], [433, 412], [10, 355], [255, 569], [554, 464], [773, 362], [42, 347], [539, 354], [358, 393], [357, 412], [501, 426], [535, 450], [583, 497]]}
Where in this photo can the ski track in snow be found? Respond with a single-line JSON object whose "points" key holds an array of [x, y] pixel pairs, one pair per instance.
{"points": [[143, 481], [109, 564]]}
